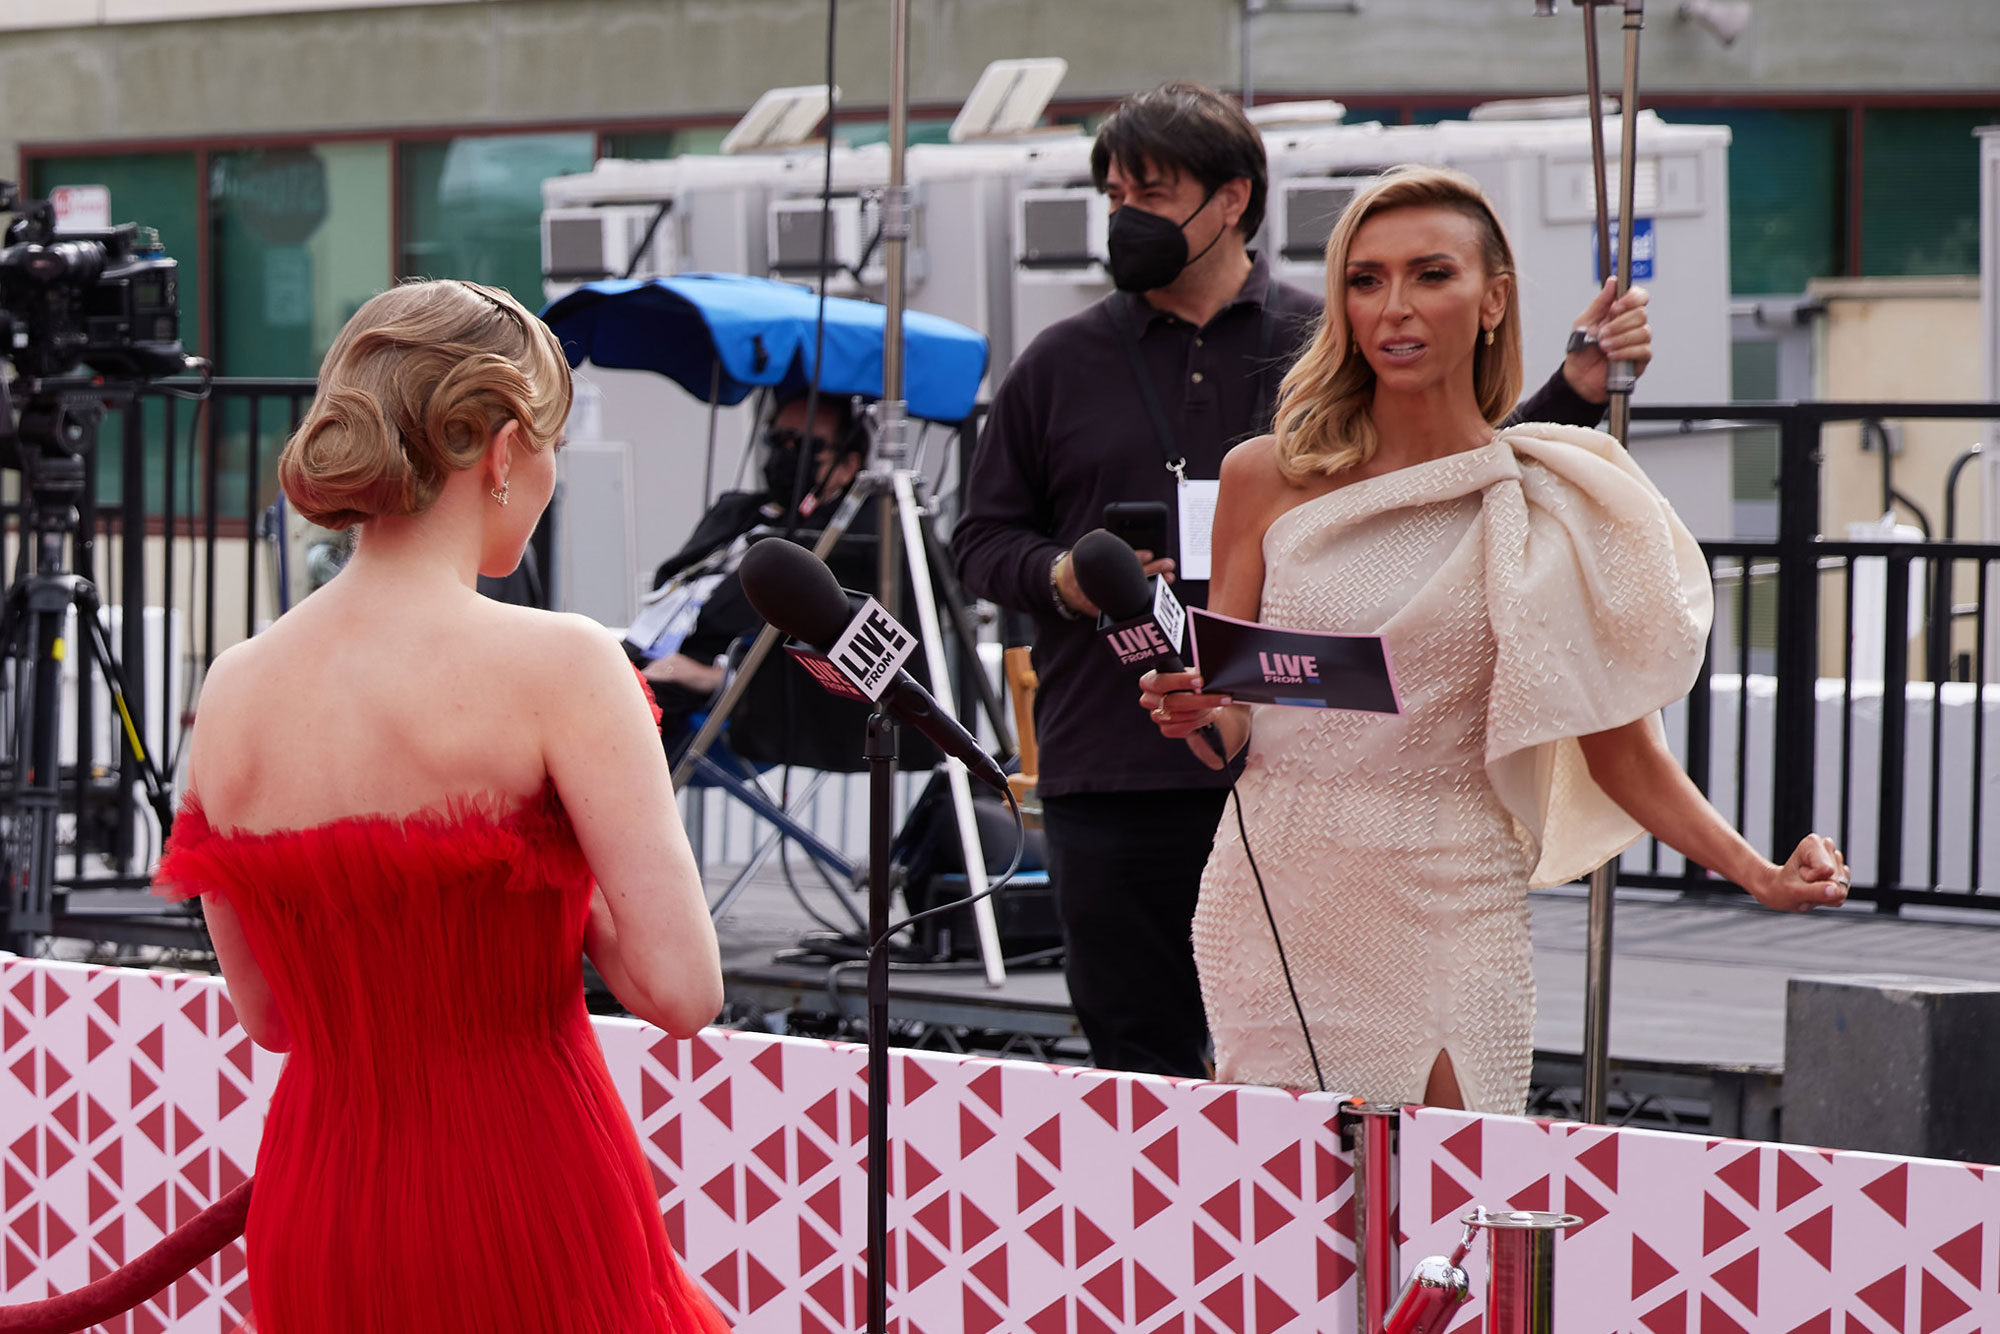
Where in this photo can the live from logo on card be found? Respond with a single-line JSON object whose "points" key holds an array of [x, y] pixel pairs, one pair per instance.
{"points": [[1268, 664]]}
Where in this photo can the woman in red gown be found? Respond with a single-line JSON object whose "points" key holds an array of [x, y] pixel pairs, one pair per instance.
{"points": [[411, 811]]}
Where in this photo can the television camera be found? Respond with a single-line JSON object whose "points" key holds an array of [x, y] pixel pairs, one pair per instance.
{"points": [[87, 318]]}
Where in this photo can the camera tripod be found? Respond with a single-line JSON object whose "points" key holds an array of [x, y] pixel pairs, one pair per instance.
{"points": [[58, 428], [908, 545]]}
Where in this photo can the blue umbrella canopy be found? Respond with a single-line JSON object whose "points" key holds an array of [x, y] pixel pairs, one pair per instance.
{"points": [[761, 332]]}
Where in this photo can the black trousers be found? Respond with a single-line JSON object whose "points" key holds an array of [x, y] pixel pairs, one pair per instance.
{"points": [[1126, 869]]}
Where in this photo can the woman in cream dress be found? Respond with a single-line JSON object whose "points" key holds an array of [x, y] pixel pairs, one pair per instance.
{"points": [[1541, 602]]}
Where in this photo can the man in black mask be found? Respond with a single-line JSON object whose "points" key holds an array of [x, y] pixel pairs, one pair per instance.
{"points": [[1137, 399], [709, 610]]}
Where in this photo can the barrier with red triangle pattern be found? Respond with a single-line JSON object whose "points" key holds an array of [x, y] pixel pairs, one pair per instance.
{"points": [[1025, 1198], [1683, 1233]]}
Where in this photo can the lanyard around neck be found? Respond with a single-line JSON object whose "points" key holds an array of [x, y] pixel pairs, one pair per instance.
{"points": [[1171, 452]]}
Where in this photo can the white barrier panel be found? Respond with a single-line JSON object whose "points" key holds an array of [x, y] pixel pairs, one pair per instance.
{"points": [[1026, 1197], [1684, 1233]]}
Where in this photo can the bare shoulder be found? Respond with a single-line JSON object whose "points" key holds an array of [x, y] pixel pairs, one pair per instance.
{"points": [[565, 660], [229, 679], [1252, 467], [561, 640], [226, 712], [1257, 490]]}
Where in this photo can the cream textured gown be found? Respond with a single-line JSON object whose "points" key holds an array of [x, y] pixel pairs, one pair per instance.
{"points": [[1531, 591]]}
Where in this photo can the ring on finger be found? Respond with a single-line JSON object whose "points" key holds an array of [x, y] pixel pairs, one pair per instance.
{"points": [[1163, 712]]}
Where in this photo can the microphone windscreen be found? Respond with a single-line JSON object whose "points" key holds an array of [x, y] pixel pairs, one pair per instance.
{"points": [[1109, 573], [793, 590]]}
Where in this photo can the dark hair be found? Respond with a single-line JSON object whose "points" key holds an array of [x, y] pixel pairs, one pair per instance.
{"points": [[1187, 128], [850, 435]]}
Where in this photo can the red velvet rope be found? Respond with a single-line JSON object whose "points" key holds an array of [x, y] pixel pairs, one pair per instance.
{"points": [[155, 1271]]}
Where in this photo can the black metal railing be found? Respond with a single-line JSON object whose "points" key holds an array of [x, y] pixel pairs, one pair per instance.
{"points": [[1774, 600], [192, 476], [1907, 767]]}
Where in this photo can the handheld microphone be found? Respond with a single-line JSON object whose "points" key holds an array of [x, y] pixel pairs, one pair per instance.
{"points": [[793, 590], [1109, 573]]}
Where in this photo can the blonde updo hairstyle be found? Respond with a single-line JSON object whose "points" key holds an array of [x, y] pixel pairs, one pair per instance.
{"points": [[412, 391], [1323, 423]]}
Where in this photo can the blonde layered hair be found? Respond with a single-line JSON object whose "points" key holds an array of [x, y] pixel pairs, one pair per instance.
{"points": [[412, 391], [1323, 423]]}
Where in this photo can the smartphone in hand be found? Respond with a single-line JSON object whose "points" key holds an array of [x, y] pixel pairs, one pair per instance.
{"points": [[1141, 525]]}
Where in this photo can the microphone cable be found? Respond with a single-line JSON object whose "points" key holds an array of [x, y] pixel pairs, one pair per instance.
{"points": [[1013, 866], [947, 966], [1284, 964]]}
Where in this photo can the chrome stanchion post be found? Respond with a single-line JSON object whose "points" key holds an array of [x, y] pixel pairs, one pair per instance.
{"points": [[1436, 1289], [1520, 1269], [1369, 1128]]}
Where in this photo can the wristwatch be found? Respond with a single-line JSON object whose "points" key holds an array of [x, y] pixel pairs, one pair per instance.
{"points": [[1063, 609]]}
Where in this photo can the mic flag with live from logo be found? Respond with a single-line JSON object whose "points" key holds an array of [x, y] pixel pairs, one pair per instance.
{"points": [[1264, 664], [1152, 640], [829, 677], [872, 649]]}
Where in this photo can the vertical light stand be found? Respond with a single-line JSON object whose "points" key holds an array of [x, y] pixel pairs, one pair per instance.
{"points": [[901, 503], [1618, 385], [900, 535]]}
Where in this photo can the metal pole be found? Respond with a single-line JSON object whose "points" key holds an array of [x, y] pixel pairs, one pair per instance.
{"points": [[1594, 108], [895, 438], [1521, 1269], [1621, 378], [892, 443], [1597, 994], [1618, 385], [1795, 732], [909, 508], [1243, 43], [1374, 1126], [899, 532], [715, 410]]}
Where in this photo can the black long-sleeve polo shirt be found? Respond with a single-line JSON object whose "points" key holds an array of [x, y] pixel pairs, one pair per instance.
{"points": [[1068, 433]]}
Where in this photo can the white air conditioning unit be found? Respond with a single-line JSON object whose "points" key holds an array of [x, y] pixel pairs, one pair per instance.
{"points": [[1060, 230], [795, 238], [585, 244], [1306, 211]]}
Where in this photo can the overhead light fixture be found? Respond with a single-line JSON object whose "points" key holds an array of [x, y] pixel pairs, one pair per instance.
{"points": [[1726, 19], [1545, 9]]}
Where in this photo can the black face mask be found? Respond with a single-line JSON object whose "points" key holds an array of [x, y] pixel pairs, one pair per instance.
{"points": [[782, 450], [781, 475], [1149, 251]]}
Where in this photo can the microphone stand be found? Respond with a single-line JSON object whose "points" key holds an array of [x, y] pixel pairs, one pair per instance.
{"points": [[1618, 384], [880, 751], [901, 513]]}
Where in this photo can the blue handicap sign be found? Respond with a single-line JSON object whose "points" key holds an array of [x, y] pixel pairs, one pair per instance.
{"points": [[1642, 250]]}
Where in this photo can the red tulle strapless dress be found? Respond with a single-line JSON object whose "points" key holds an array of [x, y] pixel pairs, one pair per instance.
{"points": [[444, 1150]]}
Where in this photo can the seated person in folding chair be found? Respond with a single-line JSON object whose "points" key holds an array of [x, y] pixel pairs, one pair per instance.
{"points": [[702, 610]]}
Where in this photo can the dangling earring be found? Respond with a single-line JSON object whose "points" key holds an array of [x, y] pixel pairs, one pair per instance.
{"points": [[500, 492], [1489, 338]]}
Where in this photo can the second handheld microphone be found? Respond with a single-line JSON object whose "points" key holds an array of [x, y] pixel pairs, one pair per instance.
{"points": [[1141, 625]]}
